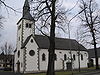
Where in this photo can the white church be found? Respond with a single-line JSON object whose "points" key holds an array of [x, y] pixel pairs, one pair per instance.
{"points": [[31, 54]]}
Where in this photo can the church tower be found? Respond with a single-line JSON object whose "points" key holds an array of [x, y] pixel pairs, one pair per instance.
{"points": [[25, 24], [25, 28]]}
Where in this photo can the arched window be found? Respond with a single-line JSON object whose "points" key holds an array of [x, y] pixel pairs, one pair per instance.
{"points": [[65, 57], [73, 56], [18, 54], [81, 57], [43, 57], [55, 56]]}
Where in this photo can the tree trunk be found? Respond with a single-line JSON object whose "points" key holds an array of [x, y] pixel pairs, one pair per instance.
{"points": [[95, 50], [51, 49]]}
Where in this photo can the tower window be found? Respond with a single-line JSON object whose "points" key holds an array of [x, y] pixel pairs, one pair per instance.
{"points": [[30, 25], [26, 25], [19, 38], [73, 57], [43, 57]]}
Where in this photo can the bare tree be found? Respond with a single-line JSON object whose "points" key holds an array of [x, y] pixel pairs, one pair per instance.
{"points": [[1, 17], [90, 21], [2, 2], [48, 15], [7, 48]]}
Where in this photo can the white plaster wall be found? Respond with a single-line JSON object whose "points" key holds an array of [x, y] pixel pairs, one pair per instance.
{"points": [[99, 61], [60, 59], [18, 46], [20, 60], [43, 64], [31, 61], [83, 63], [27, 31]]}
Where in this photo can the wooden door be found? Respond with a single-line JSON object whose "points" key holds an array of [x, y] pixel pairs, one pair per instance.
{"points": [[69, 66], [18, 66]]}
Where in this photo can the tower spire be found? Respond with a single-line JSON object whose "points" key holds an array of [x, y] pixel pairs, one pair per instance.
{"points": [[26, 11]]}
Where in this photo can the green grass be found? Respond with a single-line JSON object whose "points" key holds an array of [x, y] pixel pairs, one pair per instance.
{"points": [[67, 72], [57, 73]]}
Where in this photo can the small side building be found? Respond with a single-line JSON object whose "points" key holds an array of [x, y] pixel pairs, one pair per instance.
{"points": [[92, 55]]}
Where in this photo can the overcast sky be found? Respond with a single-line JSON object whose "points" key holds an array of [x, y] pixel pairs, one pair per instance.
{"points": [[9, 32]]}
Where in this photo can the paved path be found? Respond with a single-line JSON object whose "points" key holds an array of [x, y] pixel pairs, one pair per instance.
{"points": [[91, 73], [9, 73]]}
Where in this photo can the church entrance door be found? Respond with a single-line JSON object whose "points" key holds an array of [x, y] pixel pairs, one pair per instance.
{"points": [[69, 65], [18, 66]]}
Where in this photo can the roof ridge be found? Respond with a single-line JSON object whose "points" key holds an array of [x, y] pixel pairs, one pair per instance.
{"points": [[57, 37]]}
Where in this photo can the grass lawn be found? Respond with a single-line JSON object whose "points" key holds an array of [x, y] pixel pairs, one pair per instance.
{"points": [[57, 73], [67, 72]]}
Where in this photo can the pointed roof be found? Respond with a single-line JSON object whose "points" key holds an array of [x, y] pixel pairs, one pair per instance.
{"points": [[26, 3], [26, 11]]}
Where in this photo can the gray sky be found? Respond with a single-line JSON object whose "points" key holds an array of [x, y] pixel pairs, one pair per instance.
{"points": [[11, 18]]}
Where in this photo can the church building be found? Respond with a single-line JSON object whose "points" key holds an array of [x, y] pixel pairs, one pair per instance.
{"points": [[31, 54]]}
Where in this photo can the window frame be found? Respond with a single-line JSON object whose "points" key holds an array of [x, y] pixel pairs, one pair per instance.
{"points": [[74, 57], [18, 53], [81, 57], [65, 57], [43, 57]]}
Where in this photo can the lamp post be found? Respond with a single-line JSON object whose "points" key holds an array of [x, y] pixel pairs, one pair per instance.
{"points": [[70, 48], [78, 54]]}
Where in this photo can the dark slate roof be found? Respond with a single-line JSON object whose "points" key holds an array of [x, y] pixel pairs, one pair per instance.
{"points": [[26, 41], [26, 11], [92, 53], [28, 16], [60, 43], [26, 3]]}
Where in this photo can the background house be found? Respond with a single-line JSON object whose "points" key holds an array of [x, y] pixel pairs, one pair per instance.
{"points": [[6, 61]]}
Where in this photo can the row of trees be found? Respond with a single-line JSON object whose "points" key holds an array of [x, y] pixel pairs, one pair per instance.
{"points": [[90, 23], [49, 14]]}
